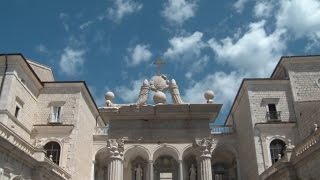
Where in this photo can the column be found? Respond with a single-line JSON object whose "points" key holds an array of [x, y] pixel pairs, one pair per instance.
{"points": [[181, 169], [92, 169], [150, 170], [238, 170], [205, 146], [205, 168], [115, 165]]}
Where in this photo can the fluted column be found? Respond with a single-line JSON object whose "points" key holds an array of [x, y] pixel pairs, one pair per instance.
{"points": [[150, 170], [115, 167], [181, 169], [92, 169], [204, 146]]}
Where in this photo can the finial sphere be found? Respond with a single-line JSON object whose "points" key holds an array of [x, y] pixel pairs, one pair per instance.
{"points": [[209, 95], [159, 97], [109, 95]]}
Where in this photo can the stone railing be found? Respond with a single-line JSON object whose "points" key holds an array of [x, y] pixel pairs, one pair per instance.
{"points": [[221, 129], [271, 170], [16, 140], [309, 142], [101, 130], [57, 169], [23, 145]]}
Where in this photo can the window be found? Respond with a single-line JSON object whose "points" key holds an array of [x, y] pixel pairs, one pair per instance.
{"points": [[53, 151], [277, 147], [56, 114], [17, 111], [272, 113]]}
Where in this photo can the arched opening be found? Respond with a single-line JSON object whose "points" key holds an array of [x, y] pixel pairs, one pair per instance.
{"points": [[190, 164], [101, 165], [136, 163], [165, 163], [224, 164], [166, 168], [53, 151], [277, 148]]}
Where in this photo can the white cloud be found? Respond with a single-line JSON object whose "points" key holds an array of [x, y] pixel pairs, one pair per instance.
{"points": [[239, 5], [263, 9], [256, 52], [140, 53], [123, 8], [197, 66], [64, 17], [302, 17], [129, 94], [85, 25], [42, 49], [224, 86], [71, 61], [178, 11], [185, 48]]}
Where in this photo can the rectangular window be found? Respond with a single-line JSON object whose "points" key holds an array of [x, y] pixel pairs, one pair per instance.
{"points": [[273, 113], [17, 111], [56, 114]]}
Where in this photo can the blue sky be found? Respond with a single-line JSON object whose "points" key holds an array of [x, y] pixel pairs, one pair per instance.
{"points": [[206, 44]]}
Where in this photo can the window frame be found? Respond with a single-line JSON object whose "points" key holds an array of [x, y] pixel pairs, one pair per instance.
{"points": [[56, 160]]}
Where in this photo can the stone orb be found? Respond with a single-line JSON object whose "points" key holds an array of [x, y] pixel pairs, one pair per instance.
{"points": [[159, 97], [209, 95], [109, 95]]}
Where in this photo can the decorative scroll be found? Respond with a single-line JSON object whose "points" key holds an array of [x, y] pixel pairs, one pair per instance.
{"points": [[175, 94], [205, 146], [144, 91], [115, 148]]}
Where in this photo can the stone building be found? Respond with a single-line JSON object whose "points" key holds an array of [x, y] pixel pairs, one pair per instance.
{"points": [[53, 130]]}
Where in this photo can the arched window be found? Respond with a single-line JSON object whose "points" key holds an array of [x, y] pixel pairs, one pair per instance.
{"points": [[53, 151], [276, 147]]}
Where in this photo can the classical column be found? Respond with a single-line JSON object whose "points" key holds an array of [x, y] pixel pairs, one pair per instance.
{"points": [[181, 169], [205, 148], [150, 169], [115, 167], [92, 169]]}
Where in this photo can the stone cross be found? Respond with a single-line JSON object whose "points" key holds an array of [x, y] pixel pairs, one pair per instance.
{"points": [[159, 63]]}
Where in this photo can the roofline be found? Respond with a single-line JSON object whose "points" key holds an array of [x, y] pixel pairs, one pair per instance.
{"points": [[240, 87], [283, 57], [81, 81], [26, 61]]}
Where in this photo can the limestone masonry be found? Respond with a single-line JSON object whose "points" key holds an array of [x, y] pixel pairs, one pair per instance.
{"points": [[53, 130]]}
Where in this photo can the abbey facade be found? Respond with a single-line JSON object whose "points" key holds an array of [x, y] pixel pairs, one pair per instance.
{"points": [[53, 130]]}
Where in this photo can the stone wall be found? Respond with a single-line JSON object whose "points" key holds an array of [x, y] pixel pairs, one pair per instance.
{"points": [[244, 135], [44, 73], [304, 80]]}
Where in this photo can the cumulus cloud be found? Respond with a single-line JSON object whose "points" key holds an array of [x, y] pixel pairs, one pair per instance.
{"points": [[239, 5], [301, 17], [140, 53], [185, 47], [256, 51], [178, 11], [224, 86], [122, 8], [263, 9], [129, 94], [71, 61], [197, 66]]}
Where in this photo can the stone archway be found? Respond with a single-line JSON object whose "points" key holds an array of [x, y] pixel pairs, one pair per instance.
{"points": [[166, 168], [136, 161], [101, 164], [224, 164]]}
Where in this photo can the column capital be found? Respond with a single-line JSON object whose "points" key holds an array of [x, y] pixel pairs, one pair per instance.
{"points": [[115, 148], [204, 146]]}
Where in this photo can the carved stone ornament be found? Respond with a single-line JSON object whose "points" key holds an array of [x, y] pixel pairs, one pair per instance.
{"points": [[205, 146], [115, 148], [159, 83]]}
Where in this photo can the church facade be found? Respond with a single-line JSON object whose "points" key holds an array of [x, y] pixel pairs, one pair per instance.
{"points": [[53, 130]]}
